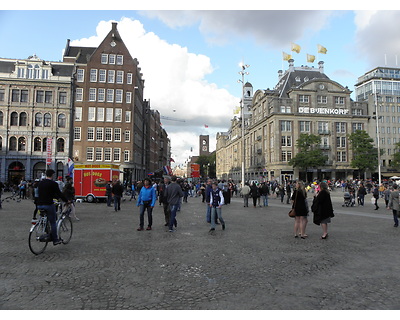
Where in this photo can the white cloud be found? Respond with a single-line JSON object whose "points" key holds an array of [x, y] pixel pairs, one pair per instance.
{"points": [[174, 80]]}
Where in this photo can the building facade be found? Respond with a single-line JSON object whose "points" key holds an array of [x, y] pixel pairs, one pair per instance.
{"points": [[35, 117], [306, 101]]}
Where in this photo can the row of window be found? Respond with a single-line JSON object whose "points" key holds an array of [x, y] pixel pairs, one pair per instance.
{"points": [[39, 144], [41, 96], [105, 95], [103, 134], [286, 141], [33, 72], [341, 156], [288, 109], [41, 120], [112, 59], [106, 154], [323, 126], [104, 114], [105, 76], [321, 99]]}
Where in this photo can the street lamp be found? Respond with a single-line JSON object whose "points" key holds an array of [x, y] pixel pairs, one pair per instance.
{"points": [[243, 72], [377, 137]]}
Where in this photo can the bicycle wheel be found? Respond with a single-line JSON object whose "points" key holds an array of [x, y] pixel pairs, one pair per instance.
{"points": [[65, 230], [38, 238]]}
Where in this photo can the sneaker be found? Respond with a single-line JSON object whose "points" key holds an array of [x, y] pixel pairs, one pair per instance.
{"points": [[223, 226], [171, 230], [212, 229], [59, 241], [148, 228], [140, 229]]}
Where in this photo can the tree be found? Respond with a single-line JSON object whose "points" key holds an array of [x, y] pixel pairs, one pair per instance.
{"points": [[365, 155], [310, 154], [396, 157], [207, 165]]}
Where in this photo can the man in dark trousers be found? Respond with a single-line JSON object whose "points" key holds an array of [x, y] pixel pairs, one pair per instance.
{"points": [[109, 193], [117, 191], [173, 195], [47, 191]]}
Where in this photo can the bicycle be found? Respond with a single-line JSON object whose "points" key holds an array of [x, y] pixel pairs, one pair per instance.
{"points": [[40, 232]]}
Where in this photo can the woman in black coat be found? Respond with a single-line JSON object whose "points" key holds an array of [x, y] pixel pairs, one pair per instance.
{"points": [[299, 199], [323, 209]]}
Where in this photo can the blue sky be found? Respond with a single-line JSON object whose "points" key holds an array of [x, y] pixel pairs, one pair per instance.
{"points": [[190, 59]]}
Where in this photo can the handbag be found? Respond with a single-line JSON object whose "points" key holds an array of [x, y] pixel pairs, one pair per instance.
{"points": [[292, 212]]}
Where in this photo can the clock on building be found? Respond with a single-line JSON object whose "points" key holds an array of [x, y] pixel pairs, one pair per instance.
{"points": [[204, 148], [113, 44]]}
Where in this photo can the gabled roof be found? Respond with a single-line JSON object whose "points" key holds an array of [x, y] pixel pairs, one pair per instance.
{"points": [[79, 54]]}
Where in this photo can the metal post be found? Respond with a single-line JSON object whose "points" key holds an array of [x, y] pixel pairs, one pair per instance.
{"points": [[242, 73], [377, 137]]}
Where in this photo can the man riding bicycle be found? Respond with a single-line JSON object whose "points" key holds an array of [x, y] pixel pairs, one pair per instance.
{"points": [[49, 190]]}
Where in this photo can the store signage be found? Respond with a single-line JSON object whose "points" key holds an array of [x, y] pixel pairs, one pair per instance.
{"points": [[323, 110]]}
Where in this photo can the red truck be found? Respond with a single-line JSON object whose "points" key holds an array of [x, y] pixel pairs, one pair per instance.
{"points": [[90, 180]]}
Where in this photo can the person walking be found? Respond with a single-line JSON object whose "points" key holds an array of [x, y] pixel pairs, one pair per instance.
{"points": [[361, 194], [386, 195], [323, 209], [394, 204], [207, 196], [375, 194], [245, 193], [133, 190], [288, 192], [255, 194], [216, 203], [146, 201], [281, 192], [117, 190], [109, 193], [299, 199], [265, 193], [174, 194], [163, 199]]}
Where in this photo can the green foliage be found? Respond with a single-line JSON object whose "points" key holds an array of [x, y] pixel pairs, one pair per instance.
{"points": [[396, 157], [207, 165], [310, 154], [365, 155]]}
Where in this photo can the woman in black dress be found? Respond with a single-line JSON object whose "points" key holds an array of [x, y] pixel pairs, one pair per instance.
{"points": [[299, 199], [323, 209]]}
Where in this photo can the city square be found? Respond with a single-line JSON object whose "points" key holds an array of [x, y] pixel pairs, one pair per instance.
{"points": [[255, 264]]}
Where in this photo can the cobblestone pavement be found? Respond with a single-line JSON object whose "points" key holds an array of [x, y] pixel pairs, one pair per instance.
{"points": [[255, 264]]}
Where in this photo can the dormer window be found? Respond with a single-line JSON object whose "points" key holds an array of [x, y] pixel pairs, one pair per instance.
{"points": [[306, 79], [297, 79]]}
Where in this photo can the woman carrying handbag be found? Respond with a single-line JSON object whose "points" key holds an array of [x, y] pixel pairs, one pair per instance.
{"points": [[299, 199]]}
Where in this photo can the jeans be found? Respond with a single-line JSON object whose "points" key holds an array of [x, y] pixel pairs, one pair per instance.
{"points": [[167, 212], [149, 215], [396, 220], [52, 216], [265, 200], [109, 200], [117, 203], [216, 211], [208, 213], [361, 197], [172, 217], [246, 200]]}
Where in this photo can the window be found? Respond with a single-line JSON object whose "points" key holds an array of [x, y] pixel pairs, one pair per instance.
{"points": [[341, 142], [111, 59], [107, 154], [89, 154], [38, 120], [90, 134], [102, 75], [21, 144], [2, 94], [323, 127], [62, 121], [92, 114], [129, 78], [22, 119], [128, 97], [44, 144], [357, 112], [286, 141], [60, 146], [120, 60], [102, 95], [127, 116], [118, 115], [286, 125], [92, 94], [13, 144], [77, 133], [322, 99], [1, 118], [304, 99], [15, 95], [39, 96], [24, 95], [127, 135], [285, 109], [78, 114], [341, 156], [93, 75], [21, 73], [37, 144], [117, 134], [340, 127], [111, 76], [339, 100], [14, 119], [109, 114], [110, 95], [62, 98], [48, 97], [286, 156], [99, 154], [118, 95], [104, 58], [80, 75], [126, 155], [108, 134], [120, 76], [99, 134], [79, 94], [100, 114], [47, 120], [117, 154], [357, 126]]}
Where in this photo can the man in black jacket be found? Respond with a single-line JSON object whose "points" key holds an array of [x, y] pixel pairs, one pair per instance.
{"points": [[49, 190], [117, 191]]}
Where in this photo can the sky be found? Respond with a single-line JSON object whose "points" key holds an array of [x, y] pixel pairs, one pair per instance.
{"points": [[191, 57]]}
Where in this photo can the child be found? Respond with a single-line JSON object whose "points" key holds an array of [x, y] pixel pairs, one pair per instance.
{"points": [[216, 202]]}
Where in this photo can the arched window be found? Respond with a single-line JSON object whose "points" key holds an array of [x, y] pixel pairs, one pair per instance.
{"points": [[37, 144], [1, 118], [21, 144], [13, 144], [37, 72], [1, 143], [30, 71], [47, 120], [38, 119], [14, 119], [61, 120], [60, 145], [22, 119], [44, 144]]}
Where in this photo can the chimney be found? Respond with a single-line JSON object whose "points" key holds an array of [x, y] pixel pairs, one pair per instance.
{"points": [[321, 66], [291, 65]]}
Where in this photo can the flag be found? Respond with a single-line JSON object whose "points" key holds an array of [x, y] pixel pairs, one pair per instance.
{"points": [[71, 166], [286, 56], [310, 58], [296, 48], [206, 126], [171, 160], [322, 49], [236, 110]]}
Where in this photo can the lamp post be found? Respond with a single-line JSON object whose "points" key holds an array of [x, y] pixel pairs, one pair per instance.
{"points": [[243, 72], [377, 137]]}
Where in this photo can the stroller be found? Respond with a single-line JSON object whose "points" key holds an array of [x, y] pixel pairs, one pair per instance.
{"points": [[349, 200]]}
